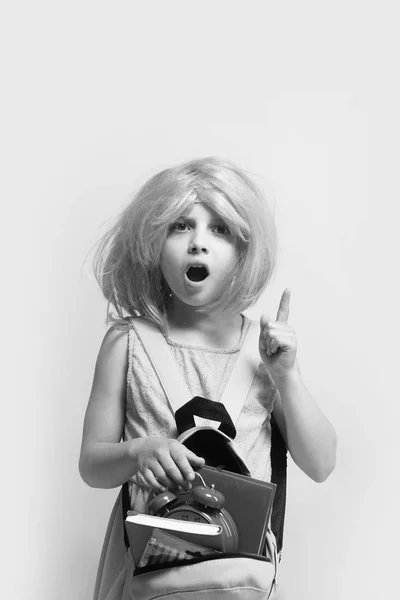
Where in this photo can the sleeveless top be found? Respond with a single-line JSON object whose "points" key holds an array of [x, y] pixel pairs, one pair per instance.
{"points": [[206, 372]]}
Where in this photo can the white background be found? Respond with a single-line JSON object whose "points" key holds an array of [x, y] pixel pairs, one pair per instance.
{"points": [[99, 95]]}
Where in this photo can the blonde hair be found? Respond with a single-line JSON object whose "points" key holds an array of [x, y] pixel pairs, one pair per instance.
{"points": [[127, 259]]}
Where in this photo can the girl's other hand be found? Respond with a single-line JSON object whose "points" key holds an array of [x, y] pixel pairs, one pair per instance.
{"points": [[278, 344], [166, 463]]}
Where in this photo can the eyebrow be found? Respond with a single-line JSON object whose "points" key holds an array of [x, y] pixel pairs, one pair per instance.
{"points": [[213, 221]]}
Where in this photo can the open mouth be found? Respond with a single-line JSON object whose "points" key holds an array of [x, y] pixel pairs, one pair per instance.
{"points": [[197, 273]]}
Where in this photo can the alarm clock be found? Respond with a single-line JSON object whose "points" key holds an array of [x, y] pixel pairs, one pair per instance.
{"points": [[201, 504]]}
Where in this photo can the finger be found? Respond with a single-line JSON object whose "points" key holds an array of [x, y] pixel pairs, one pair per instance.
{"points": [[261, 342], [162, 477], [283, 342], [264, 340], [173, 471], [264, 320], [195, 460], [284, 305], [266, 346], [151, 480], [274, 345], [270, 331], [262, 345], [182, 461]]}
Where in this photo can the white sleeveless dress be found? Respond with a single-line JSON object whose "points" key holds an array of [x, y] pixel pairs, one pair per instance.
{"points": [[148, 413]]}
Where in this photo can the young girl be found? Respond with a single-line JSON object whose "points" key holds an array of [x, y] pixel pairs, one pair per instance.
{"points": [[191, 252]]}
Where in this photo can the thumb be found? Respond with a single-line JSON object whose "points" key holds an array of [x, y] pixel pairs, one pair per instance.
{"points": [[264, 320], [194, 459]]}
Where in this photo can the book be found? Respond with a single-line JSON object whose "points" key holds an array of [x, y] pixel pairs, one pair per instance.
{"points": [[249, 502], [173, 524], [139, 527], [163, 547]]}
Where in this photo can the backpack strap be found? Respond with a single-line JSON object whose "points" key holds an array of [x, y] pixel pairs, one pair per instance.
{"points": [[278, 476], [243, 373], [156, 348]]}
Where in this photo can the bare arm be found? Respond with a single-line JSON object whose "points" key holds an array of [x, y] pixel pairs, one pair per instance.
{"points": [[105, 461], [309, 436]]}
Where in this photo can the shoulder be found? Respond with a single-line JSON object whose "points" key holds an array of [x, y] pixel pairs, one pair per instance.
{"points": [[125, 342], [115, 337], [113, 351]]}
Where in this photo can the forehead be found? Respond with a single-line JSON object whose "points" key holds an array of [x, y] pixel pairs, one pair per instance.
{"points": [[199, 210]]}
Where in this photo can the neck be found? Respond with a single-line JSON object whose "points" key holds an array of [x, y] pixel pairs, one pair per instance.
{"points": [[214, 329]]}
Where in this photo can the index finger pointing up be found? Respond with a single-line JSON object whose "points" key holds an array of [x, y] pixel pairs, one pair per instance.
{"points": [[283, 310]]}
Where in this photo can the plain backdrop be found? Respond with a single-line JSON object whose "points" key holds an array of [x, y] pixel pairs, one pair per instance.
{"points": [[99, 95]]}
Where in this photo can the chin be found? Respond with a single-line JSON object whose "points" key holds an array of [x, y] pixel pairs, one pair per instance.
{"points": [[193, 302]]}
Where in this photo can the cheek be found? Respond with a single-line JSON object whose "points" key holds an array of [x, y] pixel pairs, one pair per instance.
{"points": [[231, 254], [167, 263], [165, 255], [164, 265]]}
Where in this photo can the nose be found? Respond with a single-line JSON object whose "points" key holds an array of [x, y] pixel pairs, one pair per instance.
{"points": [[198, 243]]}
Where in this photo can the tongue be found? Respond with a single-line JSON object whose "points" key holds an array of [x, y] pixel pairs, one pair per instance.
{"points": [[197, 273]]}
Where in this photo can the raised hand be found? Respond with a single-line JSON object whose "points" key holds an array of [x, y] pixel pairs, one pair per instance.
{"points": [[278, 344], [166, 463]]}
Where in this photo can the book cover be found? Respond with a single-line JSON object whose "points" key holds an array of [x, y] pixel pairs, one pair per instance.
{"points": [[139, 527], [248, 500]]}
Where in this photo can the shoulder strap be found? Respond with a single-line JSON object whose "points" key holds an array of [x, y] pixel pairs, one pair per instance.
{"points": [[174, 385], [157, 350], [243, 373]]}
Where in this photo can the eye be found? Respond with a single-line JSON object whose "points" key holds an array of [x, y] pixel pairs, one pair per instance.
{"points": [[179, 226], [221, 229]]}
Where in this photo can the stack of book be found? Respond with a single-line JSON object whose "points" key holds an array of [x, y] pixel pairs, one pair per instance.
{"points": [[249, 502]]}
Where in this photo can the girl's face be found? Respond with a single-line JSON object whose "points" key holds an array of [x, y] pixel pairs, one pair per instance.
{"points": [[198, 256]]}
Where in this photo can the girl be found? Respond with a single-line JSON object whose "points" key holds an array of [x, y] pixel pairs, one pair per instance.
{"points": [[191, 252]]}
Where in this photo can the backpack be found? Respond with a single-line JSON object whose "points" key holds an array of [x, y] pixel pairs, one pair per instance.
{"points": [[223, 572]]}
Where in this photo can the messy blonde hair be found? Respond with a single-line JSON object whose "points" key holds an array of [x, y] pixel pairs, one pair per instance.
{"points": [[127, 260]]}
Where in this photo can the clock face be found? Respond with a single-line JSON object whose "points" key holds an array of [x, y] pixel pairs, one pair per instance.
{"points": [[189, 514]]}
